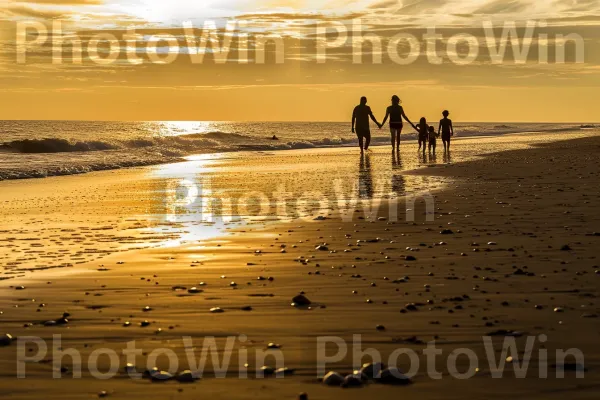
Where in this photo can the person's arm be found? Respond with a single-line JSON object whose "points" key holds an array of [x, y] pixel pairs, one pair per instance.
{"points": [[406, 118], [440, 127], [387, 114], [353, 119], [373, 118], [451, 128]]}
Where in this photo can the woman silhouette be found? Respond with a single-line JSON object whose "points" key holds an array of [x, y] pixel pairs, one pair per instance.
{"points": [[395, 113]]}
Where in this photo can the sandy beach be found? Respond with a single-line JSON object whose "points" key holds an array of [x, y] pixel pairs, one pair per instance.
{"points": [[502, 244]]}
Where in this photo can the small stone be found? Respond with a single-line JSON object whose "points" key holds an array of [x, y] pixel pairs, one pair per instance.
{"points": [[216, 310], [333, 378], [130, 369], [160, 376], [392, 376], [301, 301], [186, 376], [6, 339], [559, 310], [103, 393], [285, 371], [194, 290], [371, 370], [380, 328], [352, 380], [266, 370], [303, 396]]}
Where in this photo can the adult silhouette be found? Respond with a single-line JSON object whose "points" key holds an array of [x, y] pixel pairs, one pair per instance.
{"points": [[360, 123], [395, 113]]}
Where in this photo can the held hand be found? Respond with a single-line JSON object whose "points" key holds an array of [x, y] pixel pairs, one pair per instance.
{"points": [[352, 130]]}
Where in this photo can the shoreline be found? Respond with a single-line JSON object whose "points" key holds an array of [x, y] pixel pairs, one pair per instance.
{"points": [[520, 206], [113, 160]]}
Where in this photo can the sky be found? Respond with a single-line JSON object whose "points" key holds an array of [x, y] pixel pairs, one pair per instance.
{"points": [[315, 67]]}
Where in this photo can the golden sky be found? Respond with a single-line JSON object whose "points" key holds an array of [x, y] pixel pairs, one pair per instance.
{"points": [[297, 86]]}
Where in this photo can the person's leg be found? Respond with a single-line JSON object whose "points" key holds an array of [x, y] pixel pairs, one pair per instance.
{"points": [[360, 141], [398, 132], [393, 134], [367, 140]]}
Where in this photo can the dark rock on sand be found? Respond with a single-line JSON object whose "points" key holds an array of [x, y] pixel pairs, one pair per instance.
{"points": [[333, 378], [352, 381], [371, 370], [301, 301], [392, 376], [186, 376], [6, 339]]}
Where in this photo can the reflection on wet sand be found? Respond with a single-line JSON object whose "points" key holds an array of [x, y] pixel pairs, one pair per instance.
{"points": [[398, 180], [365, 177]]}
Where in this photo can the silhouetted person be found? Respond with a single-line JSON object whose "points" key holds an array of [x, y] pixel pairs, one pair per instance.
{"points": [[432, 136], [360, 119], [395, 112], [447, 130], [423, 131]]}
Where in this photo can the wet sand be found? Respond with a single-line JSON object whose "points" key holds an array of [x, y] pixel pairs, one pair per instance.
{"points": [[519, 241]]}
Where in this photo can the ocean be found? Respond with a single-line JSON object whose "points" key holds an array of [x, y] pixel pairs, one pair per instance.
{"points": [[37, 149]]}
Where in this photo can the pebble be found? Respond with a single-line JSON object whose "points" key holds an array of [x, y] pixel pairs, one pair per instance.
{"points": [[301, 301], [266, 370], [160, 376], [392, 376], [333, 378], [130, 369], [303, 396], [194, 290], [352, 380], [215, 310], [186, 376], [6, 339], [284, 371], [371, 370]]}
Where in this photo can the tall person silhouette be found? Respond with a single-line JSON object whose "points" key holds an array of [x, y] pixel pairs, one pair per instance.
{"points": [[360, 123]]}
